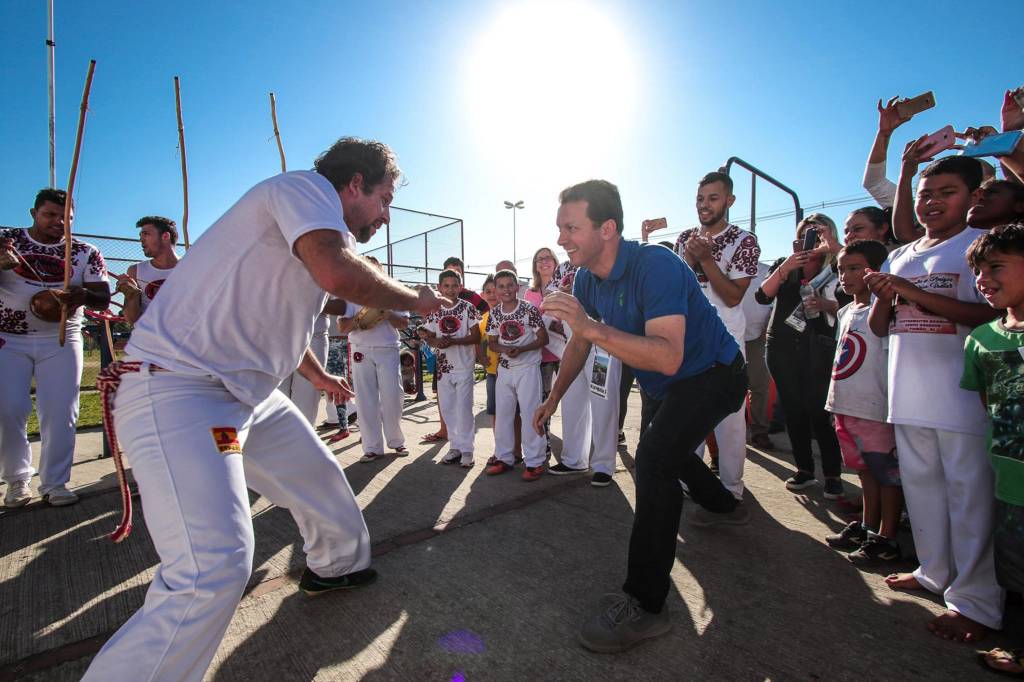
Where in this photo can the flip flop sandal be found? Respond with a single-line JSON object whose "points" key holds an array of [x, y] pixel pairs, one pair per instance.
{"points": [[401, 451], [1016, 654], [434, 438]]}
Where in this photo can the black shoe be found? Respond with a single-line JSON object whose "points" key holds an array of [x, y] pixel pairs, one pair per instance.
{"points": [[562, 470], [876, 550], [622, 437], [312, 584], [600, 480], [801, 480], [834, 489], [761, 440], [850, 538]]}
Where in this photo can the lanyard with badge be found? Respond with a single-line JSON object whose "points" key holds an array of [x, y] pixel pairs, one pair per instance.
{"points": [[599, 373]]}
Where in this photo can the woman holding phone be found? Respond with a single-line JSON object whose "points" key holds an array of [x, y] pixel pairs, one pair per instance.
{"points": [[801, 344]]}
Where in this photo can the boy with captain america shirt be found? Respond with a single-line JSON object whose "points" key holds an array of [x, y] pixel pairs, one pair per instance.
{"points": [[454, 332], [516, 330]]}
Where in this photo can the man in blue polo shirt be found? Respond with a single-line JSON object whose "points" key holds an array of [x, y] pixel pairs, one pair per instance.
{"points": [[642, 304]]}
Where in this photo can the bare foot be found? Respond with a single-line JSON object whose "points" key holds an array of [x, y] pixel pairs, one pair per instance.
{"points": [[957, 627], [1003, 661], [903, 581]]}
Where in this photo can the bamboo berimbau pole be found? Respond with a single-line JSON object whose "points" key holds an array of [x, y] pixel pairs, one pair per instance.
{"points": [[277, 133], [184, 162], [70, 195]]}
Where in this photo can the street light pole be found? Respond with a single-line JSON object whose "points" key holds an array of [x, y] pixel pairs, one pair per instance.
{"points": [[514, 206]]}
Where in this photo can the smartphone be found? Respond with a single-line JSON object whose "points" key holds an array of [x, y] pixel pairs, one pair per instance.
{"points": [[937, 142], [810, 239], [915, 105], [1001, 144]]}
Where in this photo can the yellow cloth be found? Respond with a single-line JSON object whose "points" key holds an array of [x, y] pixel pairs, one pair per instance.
{"points": [[492, 357]]}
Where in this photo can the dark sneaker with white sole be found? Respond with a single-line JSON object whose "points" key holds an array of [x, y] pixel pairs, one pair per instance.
{"points": [[800, 480], [622, 624], [876, 550], [312, 584], [833, 489], [702, 518], [849, 538], [562, 470], [600, 480]]}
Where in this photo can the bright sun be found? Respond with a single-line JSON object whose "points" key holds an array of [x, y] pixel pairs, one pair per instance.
{"points": [[550, 80]]}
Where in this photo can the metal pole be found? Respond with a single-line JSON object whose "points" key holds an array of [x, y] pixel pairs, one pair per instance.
{"points": [[50, 70], [514, 260], [753, 203]]}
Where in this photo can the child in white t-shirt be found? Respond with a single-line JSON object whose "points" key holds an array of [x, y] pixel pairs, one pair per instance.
{"points": [[516, 331], [926, 302], [454, 332], [857, 398]]}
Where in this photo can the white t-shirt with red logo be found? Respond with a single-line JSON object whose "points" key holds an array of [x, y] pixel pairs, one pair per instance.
{"points": [[517, 328], [456, 322], [150, 280], [926, 351], [859, 374], [203, 323], [44, 270], [736, 252]]}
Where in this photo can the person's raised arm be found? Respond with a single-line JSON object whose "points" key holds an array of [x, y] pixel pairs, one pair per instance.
{"points": [[878, 186], [903, 225], [1011, 117], [345, 274]]}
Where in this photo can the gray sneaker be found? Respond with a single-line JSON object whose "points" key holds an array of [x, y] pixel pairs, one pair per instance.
{"points": [[702, 518], [18, 494], [60, 496], [453, 457], [623, 625], [467, 460]]}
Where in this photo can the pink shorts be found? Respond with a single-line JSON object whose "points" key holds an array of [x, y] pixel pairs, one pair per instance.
{"points": [[868, 444]]}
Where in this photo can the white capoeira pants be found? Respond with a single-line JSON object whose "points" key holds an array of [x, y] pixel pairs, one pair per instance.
{"points": [[197, 513], [948, 485], [731, 436], [522, 386], [58, 374], [298, 388], [455, 399], [590, 423], [377, 381]]}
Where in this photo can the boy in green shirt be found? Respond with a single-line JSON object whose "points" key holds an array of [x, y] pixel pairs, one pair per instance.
{"points": [[994, 366]]}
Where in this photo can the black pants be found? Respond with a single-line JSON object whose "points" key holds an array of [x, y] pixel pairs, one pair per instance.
{"points": [[625, 386], [802, 371], [667, 455]]}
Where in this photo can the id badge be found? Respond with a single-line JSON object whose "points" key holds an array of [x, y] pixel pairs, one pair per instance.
{"points": [[599, 374], [796, 319]]}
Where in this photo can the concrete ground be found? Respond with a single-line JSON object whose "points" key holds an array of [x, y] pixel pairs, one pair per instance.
{"points": [[487, 578]]}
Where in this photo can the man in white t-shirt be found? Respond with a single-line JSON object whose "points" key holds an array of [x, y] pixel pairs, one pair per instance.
{"points": [[198, 391], [724, 258], [33, 267], [158, 236], [375, 366]]}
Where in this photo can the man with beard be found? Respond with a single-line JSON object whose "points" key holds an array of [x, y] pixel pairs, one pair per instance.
{"points": [[31, 277], [724, 258], [198, 391], [158, 236]]}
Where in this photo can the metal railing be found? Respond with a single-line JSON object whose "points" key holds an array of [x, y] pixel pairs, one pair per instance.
{"points": [[756, 173]]}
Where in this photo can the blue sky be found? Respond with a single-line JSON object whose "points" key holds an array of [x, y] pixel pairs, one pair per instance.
{"points": [[487, 101]]}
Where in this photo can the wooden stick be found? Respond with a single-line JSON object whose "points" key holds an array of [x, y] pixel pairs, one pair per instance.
{"points": [[277, 133], [184, 163], [70, 195], [110, 340]]}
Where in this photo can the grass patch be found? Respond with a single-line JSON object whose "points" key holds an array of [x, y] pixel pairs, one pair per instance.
{"points": [[90, 412]]}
